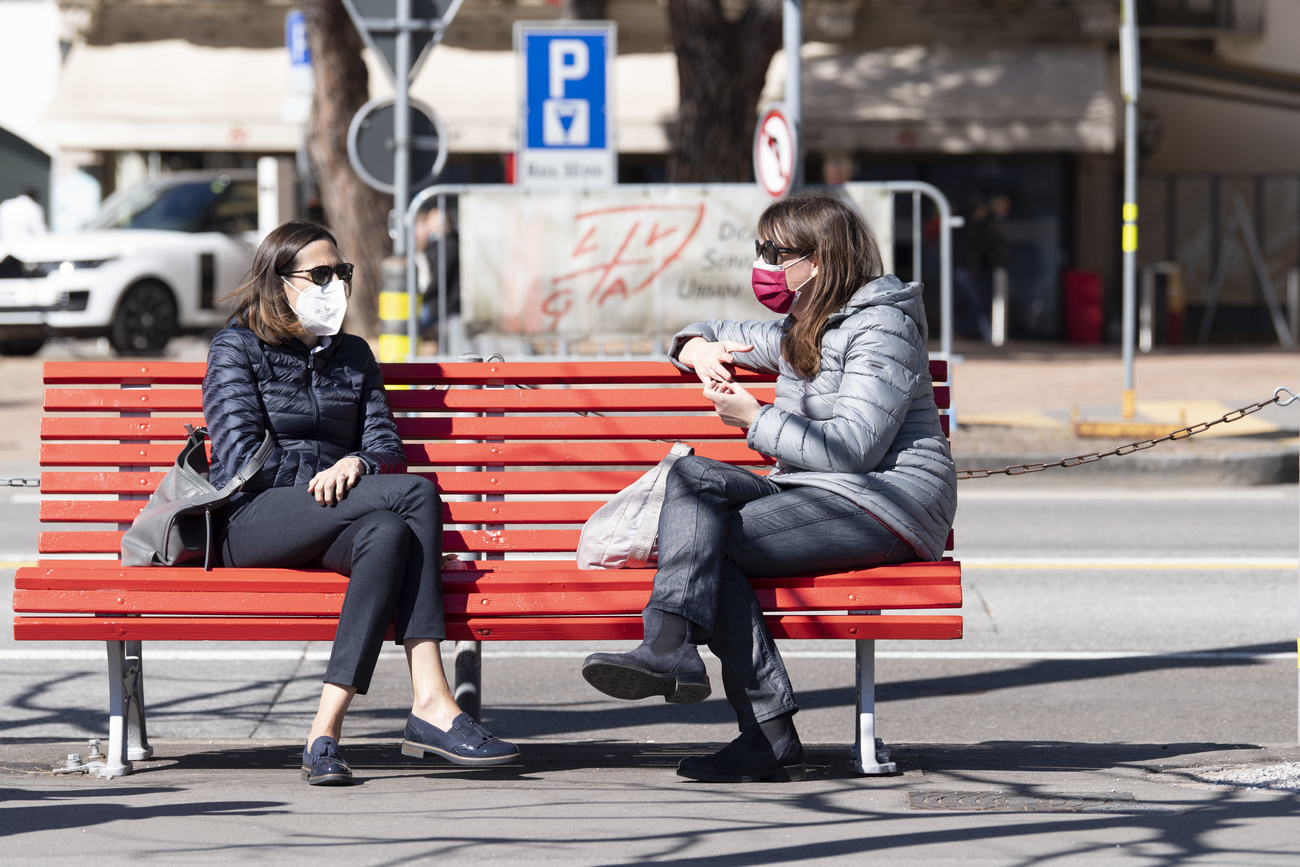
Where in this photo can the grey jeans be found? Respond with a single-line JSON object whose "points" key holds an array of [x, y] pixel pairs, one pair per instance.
{"points": [[720, 524]]}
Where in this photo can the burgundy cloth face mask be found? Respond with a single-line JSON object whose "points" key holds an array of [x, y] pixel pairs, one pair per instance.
{"points": [[770, 287]]}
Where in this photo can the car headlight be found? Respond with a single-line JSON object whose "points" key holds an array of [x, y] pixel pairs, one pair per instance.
{"points": [[66, 266]]}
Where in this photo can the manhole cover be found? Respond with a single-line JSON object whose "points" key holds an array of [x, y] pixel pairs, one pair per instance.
{"points": [[1008, 802]]}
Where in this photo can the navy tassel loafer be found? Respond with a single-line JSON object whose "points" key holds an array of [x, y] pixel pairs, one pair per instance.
{"points": [[323, 766], [467, 743]]}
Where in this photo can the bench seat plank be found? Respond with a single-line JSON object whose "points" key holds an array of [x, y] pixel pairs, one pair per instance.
{"points": [[595, 628]]}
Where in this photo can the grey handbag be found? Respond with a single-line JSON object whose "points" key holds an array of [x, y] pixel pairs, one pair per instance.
{"points": [[623, 533], [175, 526]]}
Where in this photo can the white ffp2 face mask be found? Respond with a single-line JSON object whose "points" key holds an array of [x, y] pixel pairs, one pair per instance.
{"points": [[321, 309]]}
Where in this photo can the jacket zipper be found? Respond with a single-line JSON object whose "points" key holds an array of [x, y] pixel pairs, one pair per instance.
{"points": [[315, 404]]}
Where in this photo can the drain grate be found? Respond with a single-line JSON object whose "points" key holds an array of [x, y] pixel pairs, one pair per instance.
{"points": [[1008, 802]]}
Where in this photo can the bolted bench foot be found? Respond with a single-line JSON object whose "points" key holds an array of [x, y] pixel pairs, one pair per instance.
{"points": [[874, 759], [128, 740]]}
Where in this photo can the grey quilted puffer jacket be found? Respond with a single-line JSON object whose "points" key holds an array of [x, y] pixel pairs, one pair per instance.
{"points": [[866, 425]]}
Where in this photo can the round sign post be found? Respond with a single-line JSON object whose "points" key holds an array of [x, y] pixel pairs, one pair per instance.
{"points": [[371, 143], [774, 152]]}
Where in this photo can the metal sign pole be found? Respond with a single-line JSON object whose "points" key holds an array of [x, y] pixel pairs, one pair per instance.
{"points": [[1130, 84], [402, 121], [792, 33]]}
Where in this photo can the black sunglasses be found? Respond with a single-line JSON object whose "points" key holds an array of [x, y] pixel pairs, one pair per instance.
{"points": [[770, 253], [320, 275]]}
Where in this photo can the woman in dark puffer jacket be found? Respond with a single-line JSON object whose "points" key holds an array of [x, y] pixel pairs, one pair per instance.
{"points": [[334, 493]]}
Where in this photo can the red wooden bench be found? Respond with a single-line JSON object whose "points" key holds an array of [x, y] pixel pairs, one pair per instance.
{"points": [[523, 454]]}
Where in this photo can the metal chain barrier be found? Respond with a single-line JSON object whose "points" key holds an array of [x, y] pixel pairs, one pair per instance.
{"points": [[20, 483], [1281, 397]]}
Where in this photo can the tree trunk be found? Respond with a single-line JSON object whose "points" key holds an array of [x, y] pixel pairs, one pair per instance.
{"points": [[584, 10], [721, 67], [357, 214]]}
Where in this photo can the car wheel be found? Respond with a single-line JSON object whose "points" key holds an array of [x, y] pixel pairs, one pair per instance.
{"points": [[21, 345], [145, 319]]}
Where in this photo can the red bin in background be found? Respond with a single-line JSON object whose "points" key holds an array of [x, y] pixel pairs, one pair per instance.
{"points": [[1083, 317]]}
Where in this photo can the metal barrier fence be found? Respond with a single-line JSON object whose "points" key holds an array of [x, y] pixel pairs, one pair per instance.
{"points": [[485, 343]]}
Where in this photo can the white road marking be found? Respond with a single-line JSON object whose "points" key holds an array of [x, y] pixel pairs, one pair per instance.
{"points": [[64, 655], [1227, 563]]}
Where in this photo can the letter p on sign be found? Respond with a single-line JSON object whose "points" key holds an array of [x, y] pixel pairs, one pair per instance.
{"points": [[569, 62]]}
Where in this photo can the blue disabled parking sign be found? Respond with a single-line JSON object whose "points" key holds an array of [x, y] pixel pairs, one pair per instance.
{"points": [[566, 112]]}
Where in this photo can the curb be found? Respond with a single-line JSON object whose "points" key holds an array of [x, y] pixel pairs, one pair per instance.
{"points": [[1279, 466]]}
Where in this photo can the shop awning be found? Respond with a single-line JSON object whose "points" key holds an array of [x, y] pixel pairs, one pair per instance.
{"points": [[173, 95], [954, 100]]}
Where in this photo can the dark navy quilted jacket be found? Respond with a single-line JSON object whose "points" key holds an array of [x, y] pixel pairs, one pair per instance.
{"points": [[320, 408]]}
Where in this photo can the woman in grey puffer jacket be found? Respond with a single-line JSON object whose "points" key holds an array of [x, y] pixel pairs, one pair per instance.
{"points": [[863, 476]]}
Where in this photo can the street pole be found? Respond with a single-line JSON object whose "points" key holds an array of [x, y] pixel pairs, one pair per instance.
{"points": [[1130, 84], [402, 121], [792, 33]]}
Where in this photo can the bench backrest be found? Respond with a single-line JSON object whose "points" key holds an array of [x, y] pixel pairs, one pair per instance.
{"points": [[523, 452]]}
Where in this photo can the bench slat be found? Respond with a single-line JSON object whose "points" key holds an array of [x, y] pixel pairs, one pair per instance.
{"points": [[428, 454], [477, 576], [443, 428], [430, 400], [544, 541], [595, 628], [495, 601], [464, 373], [556, 512], [560, 482]]}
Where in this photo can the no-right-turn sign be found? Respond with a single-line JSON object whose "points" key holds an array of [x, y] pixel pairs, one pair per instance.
{"points": [[774, 152]]}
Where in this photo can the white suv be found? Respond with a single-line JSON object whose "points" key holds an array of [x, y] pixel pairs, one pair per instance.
{"points": [[153, 263]]}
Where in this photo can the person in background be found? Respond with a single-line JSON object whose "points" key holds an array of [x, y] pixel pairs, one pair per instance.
{"points": [[983, 250], [334, 493], [430, 232], [837, 168], [22, 217], [863, 476]]}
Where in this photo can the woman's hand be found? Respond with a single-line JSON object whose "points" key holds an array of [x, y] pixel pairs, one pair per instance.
{"points": [[708, 358], [331, 485], [735, 406]]}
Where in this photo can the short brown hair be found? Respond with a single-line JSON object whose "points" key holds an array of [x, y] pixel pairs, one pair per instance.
{"points": [[847, 258], [260, 303]]}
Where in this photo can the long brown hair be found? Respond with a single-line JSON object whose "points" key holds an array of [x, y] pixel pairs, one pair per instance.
{"points": [[260, 303], [847, 257]]}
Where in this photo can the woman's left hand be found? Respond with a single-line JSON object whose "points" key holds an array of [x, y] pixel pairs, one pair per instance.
{"points": [[735, 406], [331, 485]]}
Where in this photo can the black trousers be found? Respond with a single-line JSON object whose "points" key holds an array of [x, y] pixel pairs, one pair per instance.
{"points": [[386, 535]]}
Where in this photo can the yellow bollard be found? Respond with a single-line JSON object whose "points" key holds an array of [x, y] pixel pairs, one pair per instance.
{"points": [[394, 313]]}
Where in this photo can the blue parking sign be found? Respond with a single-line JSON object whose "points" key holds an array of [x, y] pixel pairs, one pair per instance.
{"points": [[566, 111]]}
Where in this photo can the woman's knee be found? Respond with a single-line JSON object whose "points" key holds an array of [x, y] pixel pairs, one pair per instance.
{"points": [[691, 473], [386, 530]]}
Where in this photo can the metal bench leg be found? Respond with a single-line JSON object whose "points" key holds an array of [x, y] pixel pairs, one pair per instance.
{"points": [[118, 763], [137, 737], [874, 759], [469, 679]]}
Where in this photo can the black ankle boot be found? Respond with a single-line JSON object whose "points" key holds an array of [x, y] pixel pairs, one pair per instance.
{"points": [[769, 752], [665, 664]]}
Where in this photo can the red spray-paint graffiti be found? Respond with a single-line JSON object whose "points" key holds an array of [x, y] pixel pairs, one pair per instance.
{"points": [[646, 239]]}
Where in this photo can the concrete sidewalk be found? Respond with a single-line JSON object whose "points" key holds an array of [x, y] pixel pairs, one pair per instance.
{"points": [[1015, 405], [213, 802]]}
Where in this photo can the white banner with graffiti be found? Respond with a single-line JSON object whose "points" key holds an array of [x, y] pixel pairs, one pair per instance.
{"points": [[638, 261]]}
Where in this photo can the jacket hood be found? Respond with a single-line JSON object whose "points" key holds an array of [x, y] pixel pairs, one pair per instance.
{"points": [[888, 291]]}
